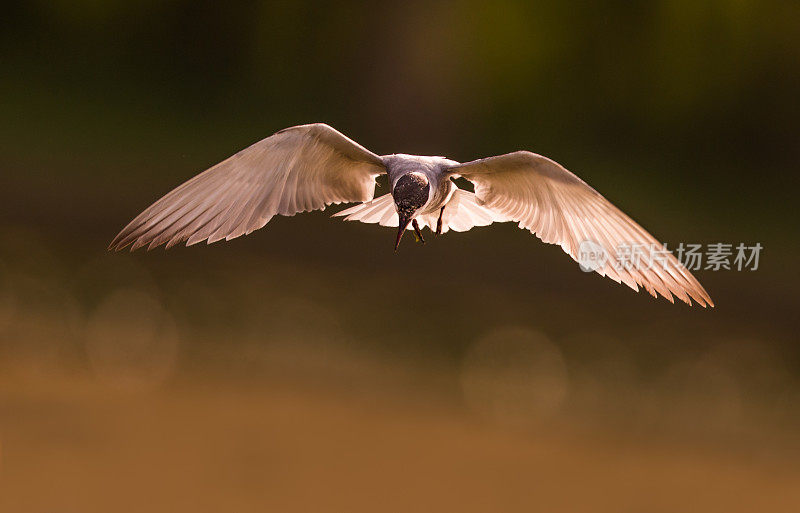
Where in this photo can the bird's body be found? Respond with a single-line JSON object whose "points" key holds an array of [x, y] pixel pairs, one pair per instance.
{"points": [[309, 167], [435, 171]]}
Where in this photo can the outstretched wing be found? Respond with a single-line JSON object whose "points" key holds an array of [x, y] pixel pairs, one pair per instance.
{"points": [[560, 208], [295, 170]]}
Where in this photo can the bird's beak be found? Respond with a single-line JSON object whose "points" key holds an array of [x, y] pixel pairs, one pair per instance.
{"points": [[401, 229]]}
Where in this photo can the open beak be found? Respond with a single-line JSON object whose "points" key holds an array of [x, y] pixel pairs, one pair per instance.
{"points": [[401, 229]]}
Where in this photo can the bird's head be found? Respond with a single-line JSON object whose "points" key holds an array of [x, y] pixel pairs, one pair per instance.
{"points": [[410, 193]]}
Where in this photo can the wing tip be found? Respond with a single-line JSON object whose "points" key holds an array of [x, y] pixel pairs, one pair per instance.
{"points": [[692, 297], [119, 243]]}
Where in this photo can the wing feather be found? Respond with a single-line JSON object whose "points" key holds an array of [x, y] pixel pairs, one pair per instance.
{"points": [[560, 208], [295, 170]]}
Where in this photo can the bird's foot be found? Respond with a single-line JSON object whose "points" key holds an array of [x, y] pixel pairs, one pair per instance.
{"points": [[417, 232], [439, 223]]}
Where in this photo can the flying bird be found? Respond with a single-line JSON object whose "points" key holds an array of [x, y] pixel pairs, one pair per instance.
{"points": [[309, 167]]}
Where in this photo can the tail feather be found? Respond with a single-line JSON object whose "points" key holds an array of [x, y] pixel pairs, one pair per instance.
{"points": [[379, 210], [465, 211], [461, 213]]}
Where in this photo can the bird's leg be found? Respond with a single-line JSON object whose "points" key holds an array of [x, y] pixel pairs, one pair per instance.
{"points": [[439, 222], [417, 233]]}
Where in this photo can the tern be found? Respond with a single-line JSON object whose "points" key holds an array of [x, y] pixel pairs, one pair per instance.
{"points": [[310, 167]]}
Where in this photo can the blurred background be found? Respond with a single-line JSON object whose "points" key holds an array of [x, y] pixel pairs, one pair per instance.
{"points": [[309, 368]]}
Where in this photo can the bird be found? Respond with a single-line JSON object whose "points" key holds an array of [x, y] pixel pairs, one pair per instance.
{"points": [[310, 167]]}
